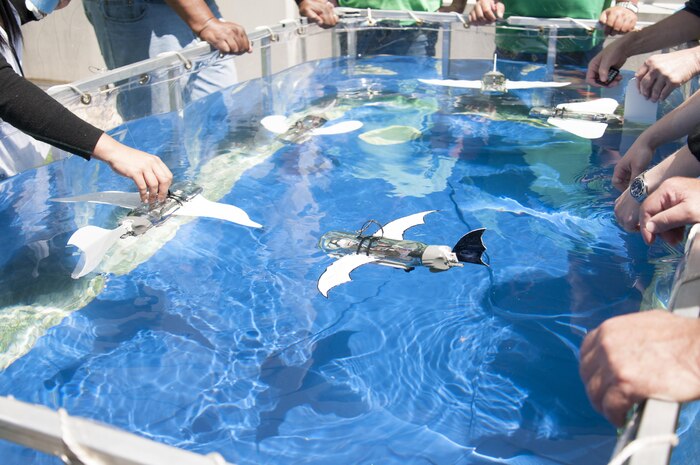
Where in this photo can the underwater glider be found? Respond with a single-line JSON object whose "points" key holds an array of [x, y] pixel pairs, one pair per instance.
{"points": [[387, 247], [493, 82], [585, 119], [303, 129], [184, 199]]}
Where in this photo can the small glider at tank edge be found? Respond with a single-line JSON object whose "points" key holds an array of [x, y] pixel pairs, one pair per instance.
{"points": [[387, 247], [303, 129], [585, 119], [184, 199], [493, 82]]}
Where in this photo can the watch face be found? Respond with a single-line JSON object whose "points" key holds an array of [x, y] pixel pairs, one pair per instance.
{"points": [[638, 189]]}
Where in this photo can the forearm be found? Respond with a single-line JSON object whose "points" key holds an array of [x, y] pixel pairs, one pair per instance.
{"points": [[682, 163], [34, 112], [195, 13], [676, 124], [676, 29]]}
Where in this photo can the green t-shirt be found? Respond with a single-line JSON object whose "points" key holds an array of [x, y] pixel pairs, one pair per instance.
{"points": [[572, 40], [411, 5]]}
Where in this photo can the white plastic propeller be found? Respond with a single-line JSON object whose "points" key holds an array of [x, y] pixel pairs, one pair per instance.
{"points": [[339, 271], [94, 242], [199, 206], [340, 128], [395, 229]]}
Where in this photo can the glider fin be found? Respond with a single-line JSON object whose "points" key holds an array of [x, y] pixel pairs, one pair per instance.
{"points": [[275, 123], [94, 242], [470, 247], [340, 128], [601, 105], [517, 85]]}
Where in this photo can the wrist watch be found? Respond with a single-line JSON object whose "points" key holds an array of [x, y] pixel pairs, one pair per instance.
{"points": [[629, 5], [639, 189]]}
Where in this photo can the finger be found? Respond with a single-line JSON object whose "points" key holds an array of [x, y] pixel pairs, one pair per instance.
{"points": [[640, 74], [673, 236], [490, 14], [621, 176], [603, 17], [659, 85], [675, 216], [313, 17], [165, 179], [646, 84], [500, 9], [615, 405], [666, 91], [592, 70], [595, 389], [151, 184], [587, 355]]}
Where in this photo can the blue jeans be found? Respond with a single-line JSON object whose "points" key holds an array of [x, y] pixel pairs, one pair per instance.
{"points": [[134, 30]]}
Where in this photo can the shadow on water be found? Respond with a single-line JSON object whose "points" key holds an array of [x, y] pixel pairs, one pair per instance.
{"points": [[117, 321], [294, 386]]}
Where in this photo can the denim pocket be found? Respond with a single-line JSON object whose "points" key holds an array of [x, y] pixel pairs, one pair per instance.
{"points": [[123, 11]]}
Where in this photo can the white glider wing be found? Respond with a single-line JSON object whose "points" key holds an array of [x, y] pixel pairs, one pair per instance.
{"points": [[510, 85], [600, 105], [120, 199], [339, 271], [199, 206], [396, 228], [517, 85], [340, 128], [581, 128], [452, 83], [275, 123]]}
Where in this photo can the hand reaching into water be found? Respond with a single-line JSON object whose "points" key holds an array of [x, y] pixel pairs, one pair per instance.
{"points": [[149, 173], [636, 159]]}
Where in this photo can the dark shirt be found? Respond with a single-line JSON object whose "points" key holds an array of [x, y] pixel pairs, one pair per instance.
{"points": [[694, 142], [34, 112], [693, 6]]}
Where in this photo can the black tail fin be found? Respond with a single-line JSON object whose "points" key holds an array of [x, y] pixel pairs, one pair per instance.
{"points": [[470, 247]]}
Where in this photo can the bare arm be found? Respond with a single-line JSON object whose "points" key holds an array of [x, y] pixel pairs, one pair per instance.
{"points": [[225, 36], [457, 6], [676, 29]]}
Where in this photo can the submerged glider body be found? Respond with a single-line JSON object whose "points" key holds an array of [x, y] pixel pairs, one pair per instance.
{"points": [[302, 130], [388, 247], [184, 199], [585, 119]]}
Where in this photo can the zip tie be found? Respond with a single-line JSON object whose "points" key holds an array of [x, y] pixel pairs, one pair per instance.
{"points": [[419, 21], [186, 62], [370, 21], [273, 36], [640, 443], [461, 18]]}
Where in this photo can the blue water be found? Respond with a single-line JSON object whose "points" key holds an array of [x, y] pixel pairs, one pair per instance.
{"points": [[221, 341]]}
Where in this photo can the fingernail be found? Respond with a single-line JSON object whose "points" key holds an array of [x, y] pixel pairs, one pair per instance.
{"points": [[650, 226]]}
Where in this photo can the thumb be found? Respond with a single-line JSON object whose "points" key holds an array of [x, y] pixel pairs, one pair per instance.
{"points": [[603, 17], [674, 217]]}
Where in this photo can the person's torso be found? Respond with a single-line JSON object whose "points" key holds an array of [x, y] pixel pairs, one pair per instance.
{"points": [[578, 9], [411, 5]]}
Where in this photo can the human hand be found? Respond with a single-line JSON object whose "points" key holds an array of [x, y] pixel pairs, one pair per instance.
{"points": [[225, 36], [663, 72], [672, 206], [149, 173], [627, 212], [618, 20], [611, 56], [319, 11], [486, 12], [644, 355], [636, 160]]}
